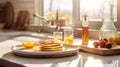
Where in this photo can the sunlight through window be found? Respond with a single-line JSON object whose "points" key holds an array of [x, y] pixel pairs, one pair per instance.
{"points": [[98, 9]]}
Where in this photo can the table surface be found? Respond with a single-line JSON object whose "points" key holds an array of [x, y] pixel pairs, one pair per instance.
{"points": [[82, 59]]}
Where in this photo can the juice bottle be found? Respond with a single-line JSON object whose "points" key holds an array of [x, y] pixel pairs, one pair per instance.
{"points": [[85, 32]]}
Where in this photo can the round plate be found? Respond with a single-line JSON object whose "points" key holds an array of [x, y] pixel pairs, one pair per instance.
{"points": [[20, 50]]}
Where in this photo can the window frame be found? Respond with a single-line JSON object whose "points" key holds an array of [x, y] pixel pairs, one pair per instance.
{"points": [[92, 24], [38, 8], [76, 23]]}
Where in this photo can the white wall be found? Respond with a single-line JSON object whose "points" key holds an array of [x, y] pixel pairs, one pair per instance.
{"points": [[22, 5]]}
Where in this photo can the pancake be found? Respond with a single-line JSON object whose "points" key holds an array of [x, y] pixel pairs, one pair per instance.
{"points": [[43, 49], [50, 45], [46, 42], [55, 47]]}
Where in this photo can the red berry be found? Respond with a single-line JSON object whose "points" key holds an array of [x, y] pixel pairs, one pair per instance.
{"points": [[102, 43], [108, 45], [95, 44]]}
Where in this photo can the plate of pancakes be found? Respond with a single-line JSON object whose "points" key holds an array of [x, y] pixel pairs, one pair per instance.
{"points": [[45, 49]]}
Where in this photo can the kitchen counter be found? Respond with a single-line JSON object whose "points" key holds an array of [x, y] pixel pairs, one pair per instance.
{"points": [[82, 59]]}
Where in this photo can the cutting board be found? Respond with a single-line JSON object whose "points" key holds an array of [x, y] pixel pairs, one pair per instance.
{"points": [[101, 51]]}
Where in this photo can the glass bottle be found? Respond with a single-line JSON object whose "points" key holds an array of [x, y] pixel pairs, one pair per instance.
{"points": [[108, 29], [85, 31]]}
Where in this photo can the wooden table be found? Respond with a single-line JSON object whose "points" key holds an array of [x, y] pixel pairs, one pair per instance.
{"points": [[82, 59]]}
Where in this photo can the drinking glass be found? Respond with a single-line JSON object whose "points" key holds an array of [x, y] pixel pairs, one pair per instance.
{"points": [[68, 36], [58, 36]]}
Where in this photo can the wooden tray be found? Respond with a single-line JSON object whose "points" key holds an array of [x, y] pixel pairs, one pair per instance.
{"points": [[101, 51]]}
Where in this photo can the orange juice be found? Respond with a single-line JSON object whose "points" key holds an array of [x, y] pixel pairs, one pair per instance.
{"points": [[68, 40], [68, 36]]}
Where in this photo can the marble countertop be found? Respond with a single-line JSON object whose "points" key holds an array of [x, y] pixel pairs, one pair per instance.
{"points": [[82, 59]]}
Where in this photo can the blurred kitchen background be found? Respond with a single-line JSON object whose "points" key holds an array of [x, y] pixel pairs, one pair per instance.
{"points": [[22, 14]]}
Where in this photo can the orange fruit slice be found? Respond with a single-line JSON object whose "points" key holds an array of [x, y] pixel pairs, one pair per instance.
{"points": [[29, 44]]}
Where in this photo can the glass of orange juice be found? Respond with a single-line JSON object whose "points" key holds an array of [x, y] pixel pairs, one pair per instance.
{"points": [[68, 36], [58, 36]]}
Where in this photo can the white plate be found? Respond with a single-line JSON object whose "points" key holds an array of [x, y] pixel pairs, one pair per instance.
{"points": [[21, 51]]}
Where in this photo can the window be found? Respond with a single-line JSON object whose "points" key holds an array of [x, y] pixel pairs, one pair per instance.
{"points": [[96, 10], [63, 6]]}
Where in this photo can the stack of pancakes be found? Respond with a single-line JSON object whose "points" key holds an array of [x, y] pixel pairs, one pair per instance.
{"points": [[50, 45]]}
